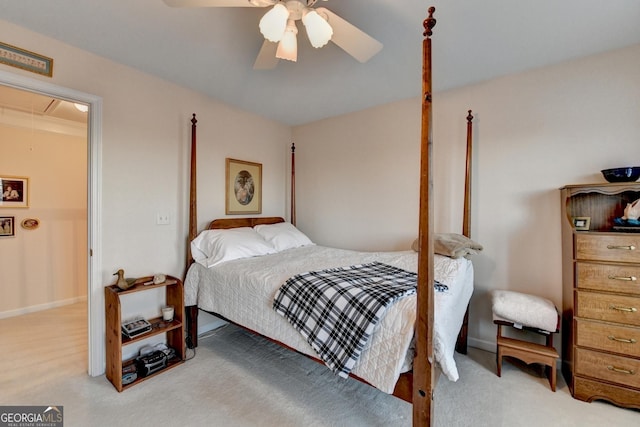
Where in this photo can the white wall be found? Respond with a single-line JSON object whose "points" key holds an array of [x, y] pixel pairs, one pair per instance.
{"points": [[357, 174], [145, 156], [45, 267]]}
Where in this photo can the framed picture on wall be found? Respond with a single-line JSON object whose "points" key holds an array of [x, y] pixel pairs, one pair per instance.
{"points": [[243, 193], [7, 226], [30, 223], [15, 192], [21, 58]]}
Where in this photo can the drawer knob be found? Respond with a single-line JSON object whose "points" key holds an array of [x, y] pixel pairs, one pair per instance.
{"points": [[627, 309], [621, 370], [626, 279], [626, 248], [624, 340]]}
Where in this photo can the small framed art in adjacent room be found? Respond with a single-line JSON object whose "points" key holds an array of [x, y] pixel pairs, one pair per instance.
{"points": [[15, 192], [7, 226]]}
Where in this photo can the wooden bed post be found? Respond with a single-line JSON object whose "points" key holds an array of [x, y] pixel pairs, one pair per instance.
{"points": [[423, 365], [192, 311], [461, 342], [466, 220], [293, 183], [193, 205]]}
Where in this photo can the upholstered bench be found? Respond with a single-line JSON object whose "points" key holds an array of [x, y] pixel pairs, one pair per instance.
{"points": [[531, 313]]}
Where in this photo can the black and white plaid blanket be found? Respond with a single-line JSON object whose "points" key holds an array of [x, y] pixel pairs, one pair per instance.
{"points": [[336, 310]]}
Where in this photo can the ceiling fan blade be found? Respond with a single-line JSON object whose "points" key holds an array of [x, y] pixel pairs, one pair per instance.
{"points": [[208, 3], [350, 38], [266, 59]]}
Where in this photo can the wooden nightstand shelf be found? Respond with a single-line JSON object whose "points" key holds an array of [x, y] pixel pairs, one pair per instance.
{"points": [[174, 331]]}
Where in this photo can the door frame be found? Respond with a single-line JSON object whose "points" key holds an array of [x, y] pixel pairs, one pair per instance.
{"points": [[95, 318]]}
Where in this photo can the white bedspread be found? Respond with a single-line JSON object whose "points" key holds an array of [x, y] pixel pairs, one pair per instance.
{"points": [[243, 291]]}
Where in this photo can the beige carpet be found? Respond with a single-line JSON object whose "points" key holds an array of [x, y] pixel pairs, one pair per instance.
{"points": [[237, 379], [41, 347]]}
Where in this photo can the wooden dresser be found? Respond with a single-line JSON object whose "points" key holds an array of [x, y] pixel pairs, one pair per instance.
{"points": [[601, 294]]}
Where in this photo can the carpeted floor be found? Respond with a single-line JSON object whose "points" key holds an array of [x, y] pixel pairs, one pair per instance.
{"points": [[237, 379]]}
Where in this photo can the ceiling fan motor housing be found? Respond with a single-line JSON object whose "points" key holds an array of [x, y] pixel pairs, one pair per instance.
{"points": [[296, 8]]}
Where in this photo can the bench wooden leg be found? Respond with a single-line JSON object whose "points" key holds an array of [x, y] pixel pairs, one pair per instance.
{"points": [[499, 353], [552, 375]]}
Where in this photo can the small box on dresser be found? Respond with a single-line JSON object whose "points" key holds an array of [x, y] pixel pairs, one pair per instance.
{"points": [[601, 295]]}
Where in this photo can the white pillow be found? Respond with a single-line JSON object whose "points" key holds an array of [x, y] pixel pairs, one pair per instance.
{"points": [[212, 247], [283, 235]]}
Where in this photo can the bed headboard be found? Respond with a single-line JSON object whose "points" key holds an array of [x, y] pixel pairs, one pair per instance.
{"points": [[243, 222]]}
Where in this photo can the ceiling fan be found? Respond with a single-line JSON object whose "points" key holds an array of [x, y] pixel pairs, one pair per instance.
{"points": [[278, 26]]}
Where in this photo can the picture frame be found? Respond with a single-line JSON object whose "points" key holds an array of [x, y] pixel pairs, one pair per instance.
{"points": [[243, 187], [26, 60], [30, 223], [7, 226], [14, 191], [581, 223]]}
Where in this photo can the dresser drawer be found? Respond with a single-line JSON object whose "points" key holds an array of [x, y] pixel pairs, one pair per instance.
{"points": [[623, 247], [608, 277], [612, 308], [605, 336], [607, 367]]}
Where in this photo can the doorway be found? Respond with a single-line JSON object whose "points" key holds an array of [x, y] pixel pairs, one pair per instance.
{"points": [[95, 345]]}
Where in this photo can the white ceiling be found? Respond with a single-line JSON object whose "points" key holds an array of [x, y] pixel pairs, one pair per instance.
{"points": [[39, 105], [212, 50]]}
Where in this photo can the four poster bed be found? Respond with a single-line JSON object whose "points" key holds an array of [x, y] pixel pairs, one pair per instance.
{"points": [[399, 357]]}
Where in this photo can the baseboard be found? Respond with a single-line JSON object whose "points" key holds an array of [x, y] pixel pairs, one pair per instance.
{"points": [[212, 322], [215, 323], [208, 322], [489, 346], [40, 307]]}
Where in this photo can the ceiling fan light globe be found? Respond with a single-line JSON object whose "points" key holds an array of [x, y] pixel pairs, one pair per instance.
{"points": [[81, 107], [318, 29], [274, 22], [288, 46]]}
